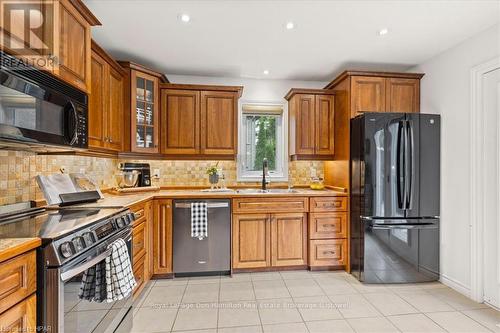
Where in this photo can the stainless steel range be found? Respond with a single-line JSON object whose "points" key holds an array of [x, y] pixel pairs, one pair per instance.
{"points": [[73, 240]]}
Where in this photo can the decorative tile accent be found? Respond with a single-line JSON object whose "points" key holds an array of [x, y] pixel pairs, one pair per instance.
{"points": [[18, 170]]}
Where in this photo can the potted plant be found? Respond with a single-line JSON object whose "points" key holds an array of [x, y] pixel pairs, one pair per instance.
{"points": [[213, 175]]}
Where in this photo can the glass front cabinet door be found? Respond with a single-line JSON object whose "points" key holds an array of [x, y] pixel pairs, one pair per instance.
{"points": [[145, 106]]}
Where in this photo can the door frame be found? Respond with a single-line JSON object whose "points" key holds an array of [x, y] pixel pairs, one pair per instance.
{"points": [[477, 179]]}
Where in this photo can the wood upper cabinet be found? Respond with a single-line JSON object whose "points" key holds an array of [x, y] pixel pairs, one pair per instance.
{"points": [[304, 112], [289, 239], [105, 102], [115, 110], [311, 123], [368, 94], [324, 121], [97, 103], [73, 43], [219, 118], [60, 45], [402, 95], [145, 113], [199, 121], [162, 236], [180, 125], [379, 91], [251, 241], [142, 109]]}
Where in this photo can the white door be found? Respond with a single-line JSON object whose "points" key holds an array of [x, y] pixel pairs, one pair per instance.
{"points": [[491, 104]]}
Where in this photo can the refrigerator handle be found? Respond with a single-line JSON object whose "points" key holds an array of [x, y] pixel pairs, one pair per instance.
{"points": [[400, 166], [410, 167]]}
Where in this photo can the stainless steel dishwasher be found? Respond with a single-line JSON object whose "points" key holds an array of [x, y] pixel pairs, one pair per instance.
{"points": [[211, 255]]}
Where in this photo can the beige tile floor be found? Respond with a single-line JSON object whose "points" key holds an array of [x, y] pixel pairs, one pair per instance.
{"points": [[302, 301]]}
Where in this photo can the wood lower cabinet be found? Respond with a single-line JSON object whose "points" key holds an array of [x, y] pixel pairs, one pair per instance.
{"points": [[162, 237], [327, 225], [105, 102], [288, 239], [17, 279], [20, 318], [141, 244], [328, 252], [311, 123], [251, 241], [198, 121], [328, 232], [18, 287], [264, 239]]}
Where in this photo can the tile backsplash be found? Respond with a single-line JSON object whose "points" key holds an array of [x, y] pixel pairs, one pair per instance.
{"points": [[18, 170]]}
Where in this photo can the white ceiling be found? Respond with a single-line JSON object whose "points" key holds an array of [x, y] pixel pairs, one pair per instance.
{"points": [[242, 38]]}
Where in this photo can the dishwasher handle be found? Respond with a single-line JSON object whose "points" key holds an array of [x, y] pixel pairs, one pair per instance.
{"points": [[209, 205]]}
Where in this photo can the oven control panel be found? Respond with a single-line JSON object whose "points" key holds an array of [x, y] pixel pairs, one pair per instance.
{"points": [[80, 241]]}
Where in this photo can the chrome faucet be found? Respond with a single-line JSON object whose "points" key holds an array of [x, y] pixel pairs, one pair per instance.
{"points": [[265, 172]]}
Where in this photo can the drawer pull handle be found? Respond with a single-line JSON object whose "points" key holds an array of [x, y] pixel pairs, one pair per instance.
{"points": [[328, 252], [138, 215]]}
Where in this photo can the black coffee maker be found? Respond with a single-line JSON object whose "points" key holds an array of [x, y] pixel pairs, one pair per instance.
{"points": [[144, 172]]}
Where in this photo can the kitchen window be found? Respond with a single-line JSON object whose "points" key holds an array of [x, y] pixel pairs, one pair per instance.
{"points": [[262, 135]]}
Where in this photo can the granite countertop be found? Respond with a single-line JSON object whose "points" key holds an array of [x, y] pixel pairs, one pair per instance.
{"points": [[11, 247], [127, 200]]}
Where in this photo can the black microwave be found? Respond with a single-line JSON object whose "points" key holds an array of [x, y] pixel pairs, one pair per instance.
{"points": [[37, 108]]}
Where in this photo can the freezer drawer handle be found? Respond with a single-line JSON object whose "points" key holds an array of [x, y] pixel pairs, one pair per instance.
{"points": [[210, 205]]}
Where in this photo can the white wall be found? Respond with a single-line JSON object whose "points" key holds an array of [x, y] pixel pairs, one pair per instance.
{"points": [[254, 90], [445, 90]]}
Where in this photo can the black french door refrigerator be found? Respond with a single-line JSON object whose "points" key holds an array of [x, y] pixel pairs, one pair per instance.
{"points": [[395, 162]]}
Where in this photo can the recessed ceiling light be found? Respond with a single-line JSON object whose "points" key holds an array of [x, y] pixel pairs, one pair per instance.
{"points": [[266, 72], [184, 18], [383, 31], [290, 25]]}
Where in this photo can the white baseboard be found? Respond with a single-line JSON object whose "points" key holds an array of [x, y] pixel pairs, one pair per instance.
{"points": [[456, 285]]}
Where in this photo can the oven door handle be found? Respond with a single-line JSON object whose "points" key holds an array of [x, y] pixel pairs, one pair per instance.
{"points": [[74, 271], [83, 267]]}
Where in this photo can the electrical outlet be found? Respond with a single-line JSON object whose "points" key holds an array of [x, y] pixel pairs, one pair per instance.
{"points": [[82, 170], [156, 173]]}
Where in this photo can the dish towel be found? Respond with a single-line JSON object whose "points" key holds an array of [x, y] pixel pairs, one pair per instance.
{"points": [[93, 285], [199, 220], [120, 281]]}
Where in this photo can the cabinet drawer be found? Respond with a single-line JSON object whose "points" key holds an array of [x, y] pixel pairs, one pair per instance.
{"points": [[140, 276], [271, 205], [17, 279], [329, 204], [329, 252], [20, 318], [140, 211], [139, 241], [327, 225]]}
